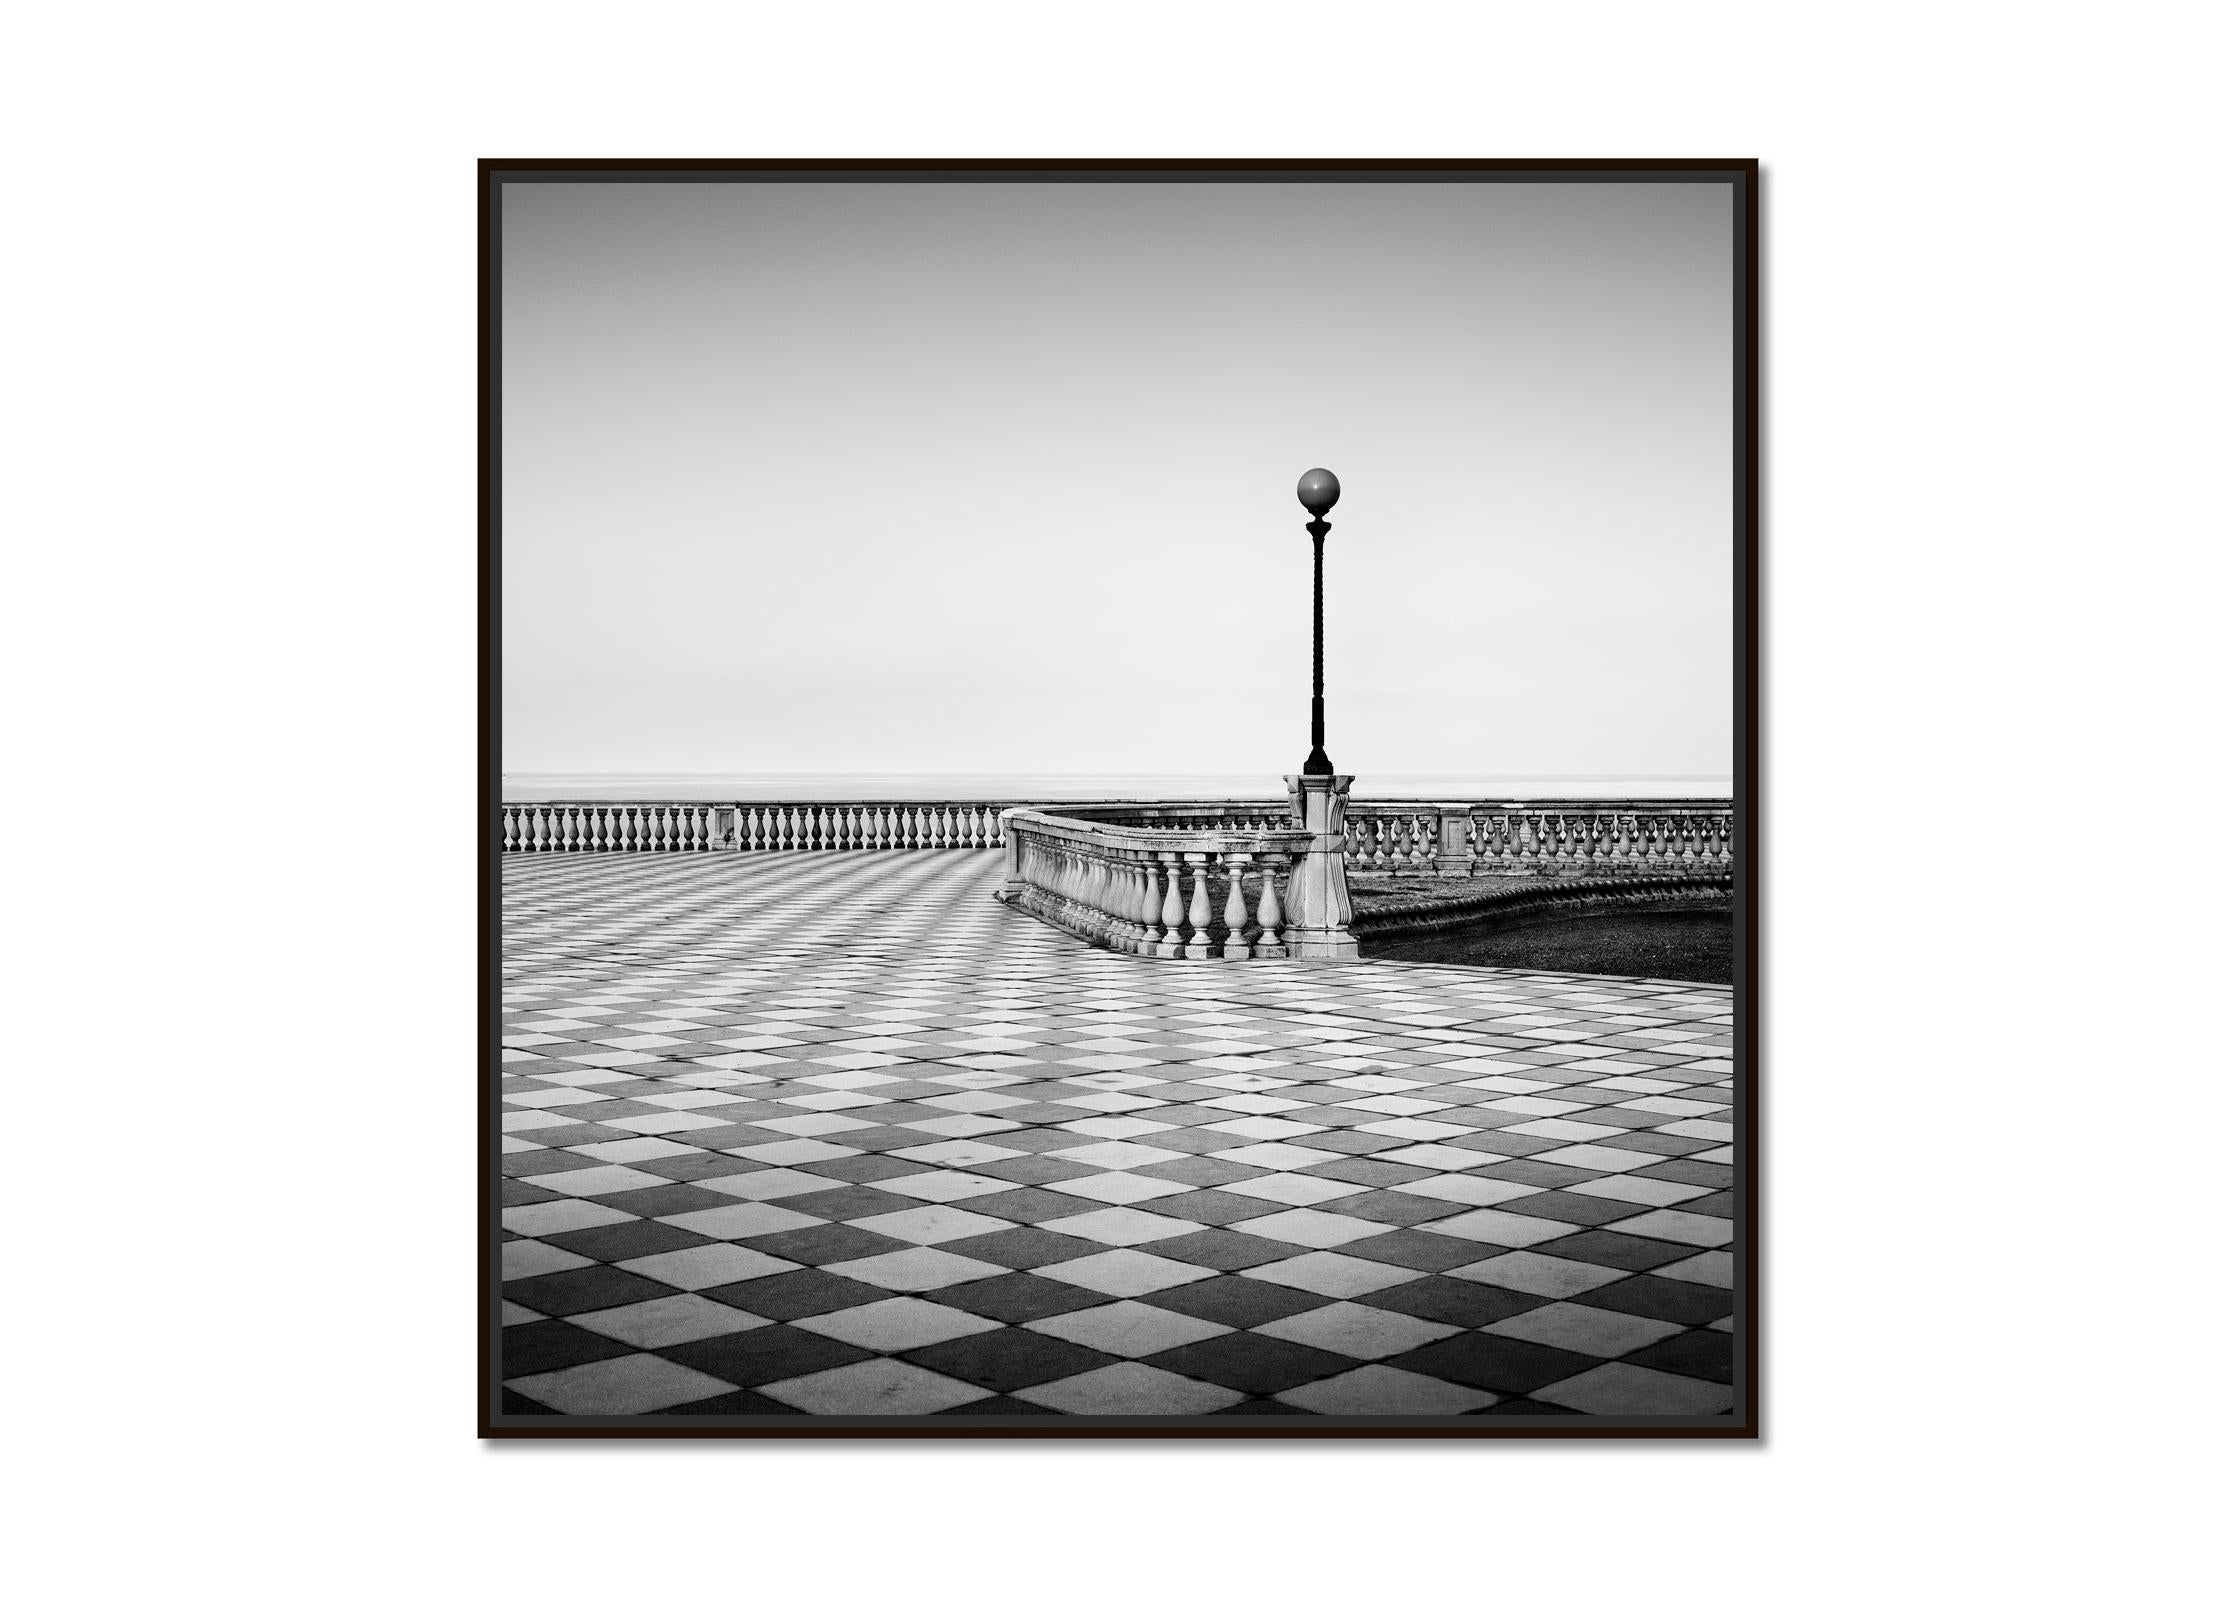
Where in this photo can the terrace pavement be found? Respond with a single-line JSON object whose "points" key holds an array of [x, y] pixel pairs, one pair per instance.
{"points": [[839, 1134]]}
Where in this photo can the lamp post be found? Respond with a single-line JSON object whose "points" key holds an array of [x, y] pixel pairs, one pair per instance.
{"points": [[1318, 492], [1318, 910]]}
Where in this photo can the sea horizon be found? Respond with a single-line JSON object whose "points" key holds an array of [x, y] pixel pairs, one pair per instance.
{"points": [[1019, 786]]}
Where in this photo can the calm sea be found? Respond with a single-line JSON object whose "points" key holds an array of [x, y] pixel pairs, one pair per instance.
{"points": [[772, 786]]}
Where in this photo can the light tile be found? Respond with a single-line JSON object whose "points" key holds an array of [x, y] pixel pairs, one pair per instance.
{"points": [[882, 1388], [678, 1319], [1129, 1389], [899, 1324], [1129, 1328]]}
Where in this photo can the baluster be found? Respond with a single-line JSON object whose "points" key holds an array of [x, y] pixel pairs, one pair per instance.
{"points": [[1233, 947], [1170, 908], [1147, 907], [1201, 910], [1271, 914]]}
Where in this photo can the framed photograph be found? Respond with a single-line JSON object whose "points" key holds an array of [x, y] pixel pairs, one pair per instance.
{"points": [[1119, 798]]}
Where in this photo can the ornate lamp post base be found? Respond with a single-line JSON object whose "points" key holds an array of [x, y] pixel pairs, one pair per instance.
{"points": [[1317, 911]]}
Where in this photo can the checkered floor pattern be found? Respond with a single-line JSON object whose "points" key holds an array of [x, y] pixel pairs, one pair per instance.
{"points": [[840, 1135]]}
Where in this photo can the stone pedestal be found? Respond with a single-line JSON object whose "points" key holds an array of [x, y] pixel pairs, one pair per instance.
{"points": [[1317, 911], [1453, 860]]}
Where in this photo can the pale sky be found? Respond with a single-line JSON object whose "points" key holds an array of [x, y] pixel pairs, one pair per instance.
{"points": [[998, 477]]}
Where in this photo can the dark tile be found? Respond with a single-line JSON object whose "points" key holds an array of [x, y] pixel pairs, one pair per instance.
{"points": [[1260, 1408], [574, 1134], [1618, 1117], [1698, 1353], [1035, 1169], [1489, 1361], [1004, 1359], [1521, 1407], [1720, 1204], [1625, 1251], [1222, 1250], [763, 1355], [1426, 1252], [1017, 1297], [513, 1192], [1237, 1302], [621, 1241], [1252, 1362], [845, 1205], [563, 1294], [1539, 1174], [1187, 1133], [1659, 1144], [1203, 1172], [533, 1347], [1372, 1173], [1401, 1210], [670, 1200], [536, 1163], [790, 1296], [1033, 1141], [1663, 1298], [1704, 1174], [867, 1168], [880, 1141], [1496, 1143], [999, 1405], [691, 1169], [1024, 1247], [728, 1137], [738, 1403], [835, 1241], [520, 1405], [1589, 1211], [1210, 1207], [1452, 1300], [1026, 1205]]}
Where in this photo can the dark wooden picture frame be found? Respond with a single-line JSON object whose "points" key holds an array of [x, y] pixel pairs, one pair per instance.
{"points": [[1745, 1420]]}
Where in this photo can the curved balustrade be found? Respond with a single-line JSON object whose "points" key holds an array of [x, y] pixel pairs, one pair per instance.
{"points": [[1191, 892]]}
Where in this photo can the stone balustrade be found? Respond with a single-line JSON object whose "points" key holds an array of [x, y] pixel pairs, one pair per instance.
{"points": [[1524, 839], [540, 826], [1193, 892], [1541, 838]]}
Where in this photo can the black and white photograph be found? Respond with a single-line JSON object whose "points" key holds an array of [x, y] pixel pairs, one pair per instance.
{"points": [[1119, 798]]}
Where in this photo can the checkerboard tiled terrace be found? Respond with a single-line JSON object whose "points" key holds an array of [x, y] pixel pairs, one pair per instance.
{"points": [[840, 1135]]}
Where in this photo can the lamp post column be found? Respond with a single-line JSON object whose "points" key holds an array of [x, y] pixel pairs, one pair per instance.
{"points": [[1317, 909], [1318, 492]]}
